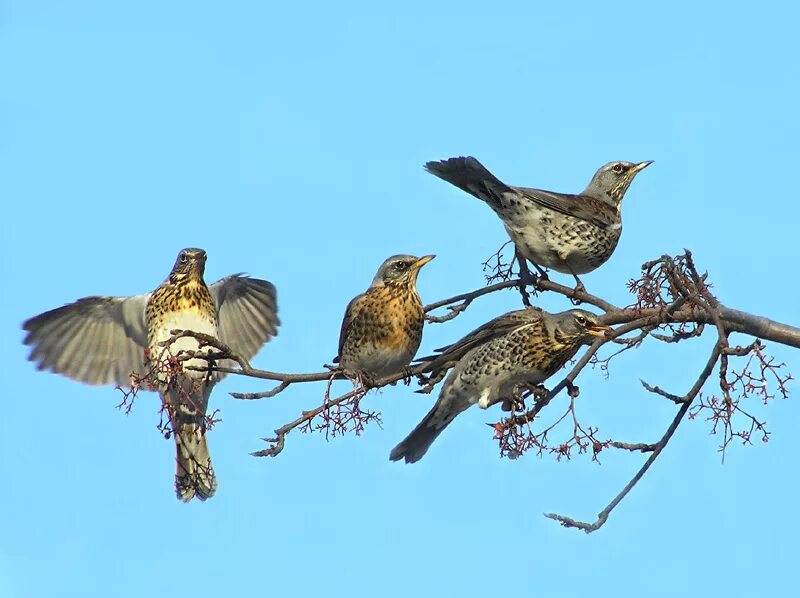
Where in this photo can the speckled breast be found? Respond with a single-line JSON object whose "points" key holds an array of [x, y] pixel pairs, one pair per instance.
{"points": [[563, 243], [385, 339], [183, 307]]}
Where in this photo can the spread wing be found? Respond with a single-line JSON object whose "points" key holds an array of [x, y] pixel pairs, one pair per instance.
{"points": [[96, 340], [589, 209], [349, 316], [247, 313], [493, 329]]}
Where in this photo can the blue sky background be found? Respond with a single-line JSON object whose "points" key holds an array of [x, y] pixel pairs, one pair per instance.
{"points": [[288, 141]]}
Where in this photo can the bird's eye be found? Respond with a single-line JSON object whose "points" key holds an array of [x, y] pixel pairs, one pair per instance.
{"points": [[581, 320], [617, 168], [184, 258], [401, 265]]}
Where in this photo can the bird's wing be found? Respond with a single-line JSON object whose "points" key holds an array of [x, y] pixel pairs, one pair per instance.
{"points": [[493, 329], [349, 317], [247, 310], [591, 210], [97, 340]]}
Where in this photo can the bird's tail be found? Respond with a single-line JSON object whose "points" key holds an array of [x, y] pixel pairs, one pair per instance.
{"points": [[194, 475], [414, 446], [471, 176]]}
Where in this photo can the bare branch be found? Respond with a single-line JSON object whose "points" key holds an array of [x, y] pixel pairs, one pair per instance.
{"points": [[278, 441], [660, 445], [636, 446], [663, 393]]}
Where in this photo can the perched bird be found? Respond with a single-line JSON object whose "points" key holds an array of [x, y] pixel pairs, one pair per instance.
{"points": [[382, 327], [572, 234], [526, 346], [104, 340]]}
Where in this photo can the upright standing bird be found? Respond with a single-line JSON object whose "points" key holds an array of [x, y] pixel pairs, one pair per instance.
{"points": [[572, 234], [382, 327], [103, 340], [526, 346]]}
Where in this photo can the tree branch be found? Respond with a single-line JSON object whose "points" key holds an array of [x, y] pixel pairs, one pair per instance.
{"points": [[602, 517]]}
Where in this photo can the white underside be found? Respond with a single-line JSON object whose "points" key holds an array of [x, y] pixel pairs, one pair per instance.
{"points": [[184, 320], [539, 247], [381, 363], [484, 400]]}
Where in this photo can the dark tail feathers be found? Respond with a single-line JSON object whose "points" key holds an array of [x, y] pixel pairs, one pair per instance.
{"points": [[416, 444], [471, 176]]}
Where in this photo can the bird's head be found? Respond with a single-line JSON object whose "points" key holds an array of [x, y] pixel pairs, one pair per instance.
{"points": [[612, 180], [400, 269], [190, 264], [580, 326]]}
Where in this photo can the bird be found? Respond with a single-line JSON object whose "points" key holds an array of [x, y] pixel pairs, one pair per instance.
{"points": [[524, 346], [121, 340], [382, 327], [571, 234]]}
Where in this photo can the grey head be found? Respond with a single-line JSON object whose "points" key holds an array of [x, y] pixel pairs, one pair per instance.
{"points": [[612, 180], [190, 263], [399, 268], [576, 326]]}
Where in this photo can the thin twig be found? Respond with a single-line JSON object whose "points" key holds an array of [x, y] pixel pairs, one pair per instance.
{"points": [[660, 445]]}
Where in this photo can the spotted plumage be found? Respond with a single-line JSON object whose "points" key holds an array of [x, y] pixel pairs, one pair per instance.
{"points": [[572, 234], [521, 347], [103, 340], [382, 327]]}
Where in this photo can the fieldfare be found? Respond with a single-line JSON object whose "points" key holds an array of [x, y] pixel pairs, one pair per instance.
{"points": [[521, 347], [572, 234], [382, 327], [113, 340]]}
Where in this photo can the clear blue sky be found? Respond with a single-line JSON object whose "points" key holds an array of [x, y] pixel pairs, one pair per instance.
{"points": [[288, 141]]}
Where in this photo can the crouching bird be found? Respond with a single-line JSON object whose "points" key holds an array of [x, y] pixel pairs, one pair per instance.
{"points": [[525, 346], [114, 340]]}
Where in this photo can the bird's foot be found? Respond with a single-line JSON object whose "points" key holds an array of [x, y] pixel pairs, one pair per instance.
{"points": [[525, 273], [361, 380], [578, 290], [408, 374], [525, 277], [429, 382], [514, 405], [541, 273], [365, 380]]}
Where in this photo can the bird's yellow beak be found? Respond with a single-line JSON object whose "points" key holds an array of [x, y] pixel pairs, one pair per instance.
{"points": [[599, 330], [423, 260], [641, 166]]}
